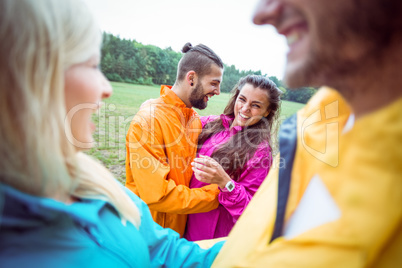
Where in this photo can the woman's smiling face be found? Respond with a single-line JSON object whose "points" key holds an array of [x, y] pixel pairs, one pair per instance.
{"points": [[251, 105]]}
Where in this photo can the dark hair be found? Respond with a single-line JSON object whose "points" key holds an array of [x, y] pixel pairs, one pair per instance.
{"points": [[233, 155], [198, 59]]}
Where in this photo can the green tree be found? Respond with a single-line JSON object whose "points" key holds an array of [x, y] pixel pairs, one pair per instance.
{"points": [[108, 64], [301, 95], [120, 66], [277, 82], [133, 62]]}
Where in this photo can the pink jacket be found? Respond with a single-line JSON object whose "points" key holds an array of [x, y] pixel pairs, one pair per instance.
{"points": [[218, 222]]}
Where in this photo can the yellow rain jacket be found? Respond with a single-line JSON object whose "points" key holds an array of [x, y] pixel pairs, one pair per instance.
{"points": [[161, 143], [344, 202]]}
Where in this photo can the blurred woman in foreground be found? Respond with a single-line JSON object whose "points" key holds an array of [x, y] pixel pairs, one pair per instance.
{"points": [[59, 207]]}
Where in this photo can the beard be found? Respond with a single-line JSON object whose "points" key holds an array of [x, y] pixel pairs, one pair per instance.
{"points": [[330, 69], [197, 97]]}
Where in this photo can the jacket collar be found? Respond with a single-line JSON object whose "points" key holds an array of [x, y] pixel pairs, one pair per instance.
{"points": [[169, 97], [24, 210], [227, 121]]}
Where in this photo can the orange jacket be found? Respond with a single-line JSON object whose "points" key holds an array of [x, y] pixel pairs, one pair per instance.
{"points": [[161, 143]]}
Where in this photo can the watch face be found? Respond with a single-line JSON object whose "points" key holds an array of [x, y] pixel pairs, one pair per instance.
{"points": [[230, 187]]}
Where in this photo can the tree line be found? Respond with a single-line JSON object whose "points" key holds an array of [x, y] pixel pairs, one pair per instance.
{"points": [[132, 62]]}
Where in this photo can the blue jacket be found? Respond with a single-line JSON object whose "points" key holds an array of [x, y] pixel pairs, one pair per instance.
{"points": [[42, 232]]}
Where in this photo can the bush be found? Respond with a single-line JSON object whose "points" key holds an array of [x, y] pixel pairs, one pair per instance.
{"points": [[148, 81], [128, 80], [301, 95], [114, 77]]}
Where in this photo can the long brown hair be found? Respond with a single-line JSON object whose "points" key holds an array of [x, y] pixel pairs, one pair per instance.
{"points": [[235, 153]]}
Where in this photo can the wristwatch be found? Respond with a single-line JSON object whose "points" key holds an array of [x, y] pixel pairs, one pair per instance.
{"points": [[229, 187]]}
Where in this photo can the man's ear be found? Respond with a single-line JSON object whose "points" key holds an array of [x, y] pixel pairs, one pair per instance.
{"points": [[191, 78]]}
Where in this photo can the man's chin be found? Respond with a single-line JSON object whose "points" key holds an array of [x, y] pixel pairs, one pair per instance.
{"points": [[199, 105]]}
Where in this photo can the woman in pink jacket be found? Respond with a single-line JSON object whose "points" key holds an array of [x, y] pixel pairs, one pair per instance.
{"points": [[235, 152]]}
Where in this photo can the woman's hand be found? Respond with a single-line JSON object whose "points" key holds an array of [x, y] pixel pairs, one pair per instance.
{"points": [[208, 170]]}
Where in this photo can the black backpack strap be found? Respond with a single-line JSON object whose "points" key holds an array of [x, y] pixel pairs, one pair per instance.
{"points": [[287, 148]]}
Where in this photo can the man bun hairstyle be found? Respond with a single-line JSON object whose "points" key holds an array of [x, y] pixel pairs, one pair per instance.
{"points": [[198, 59], [186, 47]]}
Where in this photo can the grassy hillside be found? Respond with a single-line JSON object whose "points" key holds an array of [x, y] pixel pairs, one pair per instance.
{"points": [[114, 118]]}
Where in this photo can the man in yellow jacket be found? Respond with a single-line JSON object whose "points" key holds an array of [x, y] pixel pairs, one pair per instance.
{"points": [[334, 198], [162, 139]]}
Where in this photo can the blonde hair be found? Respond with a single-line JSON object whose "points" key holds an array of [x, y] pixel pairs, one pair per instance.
{"points": [[41, 39]]}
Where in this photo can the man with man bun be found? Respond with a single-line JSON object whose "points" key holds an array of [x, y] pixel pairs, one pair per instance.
{"points": [[161, 142]]}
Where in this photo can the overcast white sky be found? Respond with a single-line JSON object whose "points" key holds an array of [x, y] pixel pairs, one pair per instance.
{"points": [[223, 25]]}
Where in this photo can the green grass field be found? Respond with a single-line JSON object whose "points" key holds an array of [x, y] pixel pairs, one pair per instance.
{"points": [[114, 118]]}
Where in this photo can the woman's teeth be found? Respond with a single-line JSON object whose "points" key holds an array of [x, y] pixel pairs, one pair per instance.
{"points": [[243, 116]]}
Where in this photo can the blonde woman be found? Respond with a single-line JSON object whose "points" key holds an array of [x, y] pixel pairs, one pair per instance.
{"points": [[58, 207]]}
